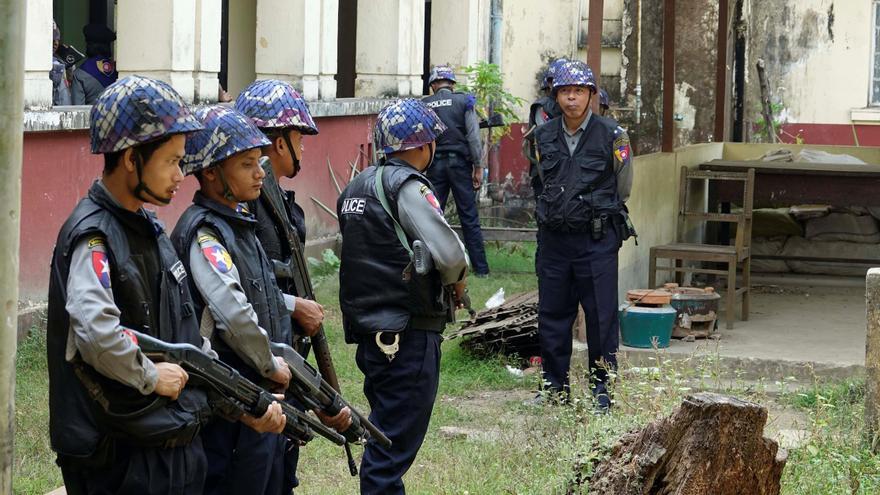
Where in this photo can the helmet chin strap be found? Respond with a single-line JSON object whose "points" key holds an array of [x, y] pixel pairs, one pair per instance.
{"points": [[227, 191], [141, 186], [433, 150], [296, 163]]}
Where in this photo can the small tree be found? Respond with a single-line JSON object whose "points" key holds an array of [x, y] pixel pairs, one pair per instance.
{"points": [[486, 83]]}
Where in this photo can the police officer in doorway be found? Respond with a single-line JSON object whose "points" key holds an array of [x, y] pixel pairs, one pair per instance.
{"points": [[98, 70], [394, 314], [457, 163], [236, 295], [584, 166], [119, 422]]}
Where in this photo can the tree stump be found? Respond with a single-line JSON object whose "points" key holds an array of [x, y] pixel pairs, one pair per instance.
{"points": [[710, 444]]}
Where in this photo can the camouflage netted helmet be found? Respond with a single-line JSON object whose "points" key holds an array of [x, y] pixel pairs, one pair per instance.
{"points": [[404, 125], [274, 104], [226, 133], [550, 73], [136, 110], [574, 73], [441, 73]]}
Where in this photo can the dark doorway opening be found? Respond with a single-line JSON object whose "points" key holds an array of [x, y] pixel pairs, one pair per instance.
{"points": [[426, 56], [223, 76], [346, 49], [72, 15], [739, 74]]}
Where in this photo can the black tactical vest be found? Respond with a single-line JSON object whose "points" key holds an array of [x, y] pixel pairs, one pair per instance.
{"points": [[451, 108], [236, 232], [578, 186], [379, 290], [271, 228], [149, 287], [548, 105]]}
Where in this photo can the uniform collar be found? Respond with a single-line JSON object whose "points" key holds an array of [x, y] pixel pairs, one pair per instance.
{"points": [[238, 215], [581, 127], [142, 221]]}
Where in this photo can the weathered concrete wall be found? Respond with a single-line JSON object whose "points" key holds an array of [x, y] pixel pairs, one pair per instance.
{"points": [[696, 38], [653, 205], [818, 57], [645, 30]]}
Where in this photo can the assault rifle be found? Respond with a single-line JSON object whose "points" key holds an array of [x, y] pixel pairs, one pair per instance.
{"points": [[213, 374], [296, 269], [312, 391], [493, 120]]}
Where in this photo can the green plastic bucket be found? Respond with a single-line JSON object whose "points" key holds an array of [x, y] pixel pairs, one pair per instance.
{"points": [[641, 326]]}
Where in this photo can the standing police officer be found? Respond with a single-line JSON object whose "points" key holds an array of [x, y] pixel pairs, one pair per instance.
{"points": [[392, 313], [584, 166], [237, 296], [97, 71], [119, 422], [603, 102], [457, 160], [279, 111]]}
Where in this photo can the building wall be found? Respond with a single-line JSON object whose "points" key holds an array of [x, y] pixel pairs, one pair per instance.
{"points": [[58, 169], [242, 47]]}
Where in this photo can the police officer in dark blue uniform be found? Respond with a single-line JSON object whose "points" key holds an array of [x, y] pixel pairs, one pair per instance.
{"points": [[235, 291], [391, 311], [584, 166], [540, 111], [119, 422], [603, 102], [457, 163]]}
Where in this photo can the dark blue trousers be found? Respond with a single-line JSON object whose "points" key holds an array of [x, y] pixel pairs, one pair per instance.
{"points": [[401, 394], [141, 470], [452, 172], [574, 269], [240, 460]]}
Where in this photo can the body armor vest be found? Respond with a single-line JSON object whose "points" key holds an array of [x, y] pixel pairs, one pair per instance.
{"points": [[451, 108], [579, 186], [149, 287], [379, 289]]}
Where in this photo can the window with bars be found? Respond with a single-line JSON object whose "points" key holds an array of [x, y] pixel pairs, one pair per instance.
{"points": [[875, 73]]}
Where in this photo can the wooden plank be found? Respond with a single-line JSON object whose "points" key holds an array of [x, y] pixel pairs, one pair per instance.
{"points": [[818, 259], [784, 168]]}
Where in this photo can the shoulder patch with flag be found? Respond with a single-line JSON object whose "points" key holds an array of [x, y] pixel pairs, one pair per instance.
{"points": [[622, 150], [215, 253], [100, 261], [430, 198]]}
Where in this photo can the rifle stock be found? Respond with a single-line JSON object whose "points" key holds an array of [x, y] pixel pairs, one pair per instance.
{"points": [[211, 373]]}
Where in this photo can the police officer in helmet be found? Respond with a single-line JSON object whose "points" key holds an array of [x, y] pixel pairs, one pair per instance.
{"points": [[603, 102], [394, 314], [540, 111], [584, 165], [457, 163], [116, 418], [279, 111], [236, 295]]}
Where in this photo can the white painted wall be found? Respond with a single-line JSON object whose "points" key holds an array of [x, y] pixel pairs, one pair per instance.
{"points": [[38, 54], [389, 57], [241, 54], [459, 32], [156, 38]]}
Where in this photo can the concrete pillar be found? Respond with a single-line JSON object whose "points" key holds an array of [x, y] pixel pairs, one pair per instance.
{"points": [[459, 32], [13, 27], [207, 49], [296, 42], [157, 38], [38, 54], [872, 358], [390, 48]]}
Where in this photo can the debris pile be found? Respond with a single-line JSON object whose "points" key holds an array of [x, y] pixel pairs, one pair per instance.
{"points": [[510, 329]]}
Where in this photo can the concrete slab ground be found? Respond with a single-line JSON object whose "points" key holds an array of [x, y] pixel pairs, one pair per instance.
{"points": [[797, 331]]}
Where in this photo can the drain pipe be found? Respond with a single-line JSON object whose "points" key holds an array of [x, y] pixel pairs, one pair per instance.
{"points": [[12, 33], [638, 119], [495, 27]]}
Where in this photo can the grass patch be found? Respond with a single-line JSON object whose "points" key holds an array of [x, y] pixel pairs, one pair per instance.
{"points": [[519, 450]]}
